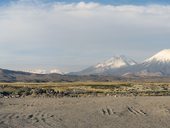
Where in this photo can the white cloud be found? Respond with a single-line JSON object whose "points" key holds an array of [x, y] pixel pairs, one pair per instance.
{"points": [[66, 32]]}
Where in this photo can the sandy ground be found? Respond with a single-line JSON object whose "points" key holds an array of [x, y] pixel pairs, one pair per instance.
{"points": [[91, 112]]}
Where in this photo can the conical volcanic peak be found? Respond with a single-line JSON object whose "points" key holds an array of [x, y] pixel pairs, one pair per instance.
{"points": [[163, 56], [116, 62]]}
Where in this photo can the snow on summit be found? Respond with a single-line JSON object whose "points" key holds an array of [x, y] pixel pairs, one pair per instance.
{"points": [[113, 63], [116, 62], [163, 56]]}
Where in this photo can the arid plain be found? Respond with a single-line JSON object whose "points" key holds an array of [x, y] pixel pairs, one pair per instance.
{"points": [[85, 112], [85, 105]]}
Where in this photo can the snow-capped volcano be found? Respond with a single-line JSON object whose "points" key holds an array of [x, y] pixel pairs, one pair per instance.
{"points": [[116, 62], [157, 65], [113, 63], [163, 57]]}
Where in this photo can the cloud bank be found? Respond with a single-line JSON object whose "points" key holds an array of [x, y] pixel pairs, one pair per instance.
{"points": [[74, 35]]}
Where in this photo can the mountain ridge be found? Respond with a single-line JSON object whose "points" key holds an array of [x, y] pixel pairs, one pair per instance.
{"points": [[116, 68], [113, 63], [156, 65]]}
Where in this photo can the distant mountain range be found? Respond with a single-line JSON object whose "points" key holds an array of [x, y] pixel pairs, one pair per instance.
{"points": [[157, 65], [116, 68], [112, 64], [44, 71]]}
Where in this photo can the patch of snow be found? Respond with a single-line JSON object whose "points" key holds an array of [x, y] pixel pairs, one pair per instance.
{"points": [[163, 56], [55, 71], [36, 71], [116, 62], [43, 71]]}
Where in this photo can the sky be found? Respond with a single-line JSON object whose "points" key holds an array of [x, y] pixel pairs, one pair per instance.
{"points": [[72, 35]]}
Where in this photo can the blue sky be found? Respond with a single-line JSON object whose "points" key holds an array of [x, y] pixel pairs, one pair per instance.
{"points": [[74, 35], [114, 2]]}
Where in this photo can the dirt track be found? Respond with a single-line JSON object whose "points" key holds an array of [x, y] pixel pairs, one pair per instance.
{"points": [[91, 112]]}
